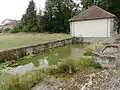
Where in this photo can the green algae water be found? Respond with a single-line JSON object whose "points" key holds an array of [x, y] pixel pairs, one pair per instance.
{"points": [[47, 58]]}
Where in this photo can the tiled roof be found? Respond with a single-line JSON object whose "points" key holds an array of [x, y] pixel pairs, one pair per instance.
{"points": [[10, 23], [92, 13]]}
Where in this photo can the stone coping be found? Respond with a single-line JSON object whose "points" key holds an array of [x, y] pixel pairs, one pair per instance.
{"points": [[20, 52], [26, 46]]}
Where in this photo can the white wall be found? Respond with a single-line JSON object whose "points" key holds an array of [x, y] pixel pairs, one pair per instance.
{"points": [[92, 28]]}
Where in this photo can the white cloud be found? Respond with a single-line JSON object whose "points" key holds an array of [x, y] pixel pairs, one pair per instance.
{"points": [[14, 9]]}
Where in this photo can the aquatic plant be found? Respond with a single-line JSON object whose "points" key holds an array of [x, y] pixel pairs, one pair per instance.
{"points": [[91, 47], [69, 66]]}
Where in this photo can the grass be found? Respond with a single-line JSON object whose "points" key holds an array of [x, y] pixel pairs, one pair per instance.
{"points": [[3, 78], [88, 62], [21, 39], [24, 82], [91, 47], [70, 66]]}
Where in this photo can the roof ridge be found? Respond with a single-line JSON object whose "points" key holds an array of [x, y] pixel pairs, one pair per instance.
{"points": [[93, 13], [105, 11]]}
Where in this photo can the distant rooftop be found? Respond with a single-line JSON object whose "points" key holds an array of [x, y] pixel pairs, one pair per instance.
{"points": [[11, 20]]}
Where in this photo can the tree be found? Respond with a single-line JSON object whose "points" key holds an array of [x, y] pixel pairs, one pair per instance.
{"points": [[39, 22], [109, 5], [57, 13], [87, 3], [29, 19]]}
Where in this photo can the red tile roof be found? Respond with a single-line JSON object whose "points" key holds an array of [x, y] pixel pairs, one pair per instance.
{"points": [[10, 20], [92, 13], [11, 23]]}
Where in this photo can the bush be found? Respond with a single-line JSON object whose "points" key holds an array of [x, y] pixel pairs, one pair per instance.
{"points": [[88, 52], [90, 62], [34, 29], [16, 29], [67, 66], [51, 70], [7, 29], [91, 47]]}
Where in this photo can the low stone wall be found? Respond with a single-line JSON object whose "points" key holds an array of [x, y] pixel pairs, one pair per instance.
{"points": [[13, 54], [16, 53]]}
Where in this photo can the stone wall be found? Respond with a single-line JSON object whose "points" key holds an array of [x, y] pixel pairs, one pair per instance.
{"points": [[16, 53], [13, 54]]}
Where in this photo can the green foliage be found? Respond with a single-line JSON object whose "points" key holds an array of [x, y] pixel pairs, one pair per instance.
{"points": [[3, 78], [16, 29], [90, 62], [25, 82], [34, 29], [109, 5], [7, 29], [67, 66], [3, 64], [54, 20], [29, 19], [64, 69], [51, 70], [88, 52], [87, 3], [91, 47], [26, 28], [57, 13]]}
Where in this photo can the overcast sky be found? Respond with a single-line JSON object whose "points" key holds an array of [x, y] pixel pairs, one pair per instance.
{"points": [[14, 9]]}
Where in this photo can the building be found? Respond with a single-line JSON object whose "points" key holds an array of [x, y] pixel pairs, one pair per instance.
{"points": [[94, 22], [8, 23]]}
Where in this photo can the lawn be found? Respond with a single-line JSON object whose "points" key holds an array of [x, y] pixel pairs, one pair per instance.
{"points": [[22, 39]]}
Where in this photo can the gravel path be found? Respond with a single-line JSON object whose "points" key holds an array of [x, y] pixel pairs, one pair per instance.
{"points": [[103, 80]]}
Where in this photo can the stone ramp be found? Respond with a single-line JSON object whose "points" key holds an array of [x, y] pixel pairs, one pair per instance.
{"points": [[107, 55]]}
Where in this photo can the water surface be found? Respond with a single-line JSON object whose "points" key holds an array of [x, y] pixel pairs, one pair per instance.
{"points": [[51, 57]]}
